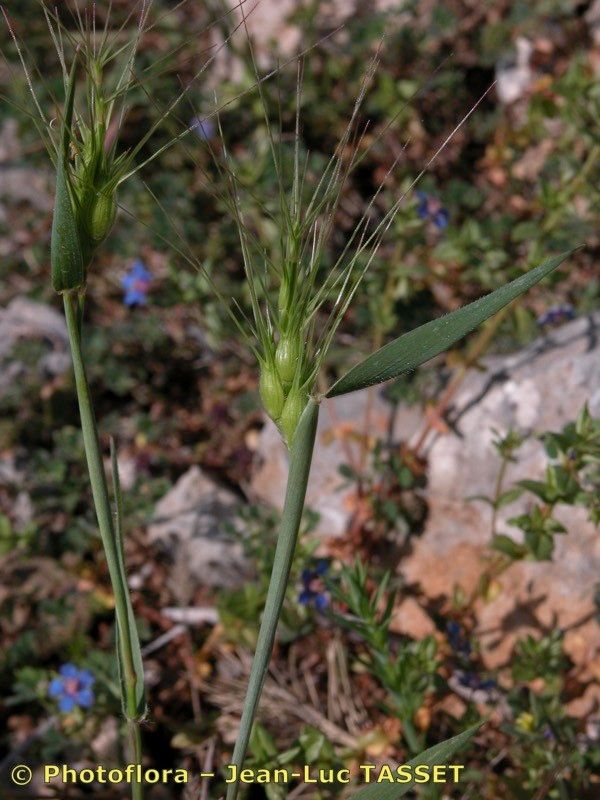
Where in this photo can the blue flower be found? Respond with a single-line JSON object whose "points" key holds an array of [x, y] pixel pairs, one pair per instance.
{"points": [[313, 589], [470, 680], [458, 639], [136, 284], [556, 315], [431, 209], [202, 127], [73, 688], [548, 734]]}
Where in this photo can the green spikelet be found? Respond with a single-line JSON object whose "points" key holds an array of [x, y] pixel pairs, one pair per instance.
{"points": [[271, 391], [287, 357], [102, 216], [68, 265], [292, 411]]}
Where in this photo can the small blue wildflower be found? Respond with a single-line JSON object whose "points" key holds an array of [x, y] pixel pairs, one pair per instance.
{"points": [[471, 680], [548, 734], [556, 315], [458, 639], [313, 591], [73, 688], [431, 209], [203, 128], [136, 284]]}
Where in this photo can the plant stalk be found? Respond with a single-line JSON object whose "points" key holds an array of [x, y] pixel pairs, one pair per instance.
{"points": [[104, 515], [412, 738], [301, 453], [135, 742]]}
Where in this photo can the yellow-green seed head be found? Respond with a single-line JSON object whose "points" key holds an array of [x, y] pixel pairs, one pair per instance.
{"points": [[292, 410], [287, 357], [284, 299], [271, 391], [102, 216]]}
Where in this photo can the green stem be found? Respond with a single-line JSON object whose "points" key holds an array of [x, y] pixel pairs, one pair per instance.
{"points": [[497, 492], [135, 742], [413, 740], [123, 611], [301, 453]]}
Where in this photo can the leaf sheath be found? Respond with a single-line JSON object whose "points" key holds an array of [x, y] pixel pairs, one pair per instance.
{"points": [[128, 646], [300, 461]]}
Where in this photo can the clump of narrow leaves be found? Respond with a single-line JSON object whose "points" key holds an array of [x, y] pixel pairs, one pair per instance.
{"points": [[572, 478], [407, 670]]}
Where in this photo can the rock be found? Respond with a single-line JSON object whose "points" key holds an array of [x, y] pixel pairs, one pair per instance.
{"points": [[25, 319], [531, 163], [23, 510], [409, 619], [540, 388], [273, 30], [105, 744], [592, 17], [128, 471], [521, 391], [191, 524], [267, 23], [341, 423], [453, 705], [19, 185], [10, 473], [10, 141], [514, 76]]}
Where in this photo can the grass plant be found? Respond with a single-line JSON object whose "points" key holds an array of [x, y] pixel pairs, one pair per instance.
{"points": [[298, 299]]}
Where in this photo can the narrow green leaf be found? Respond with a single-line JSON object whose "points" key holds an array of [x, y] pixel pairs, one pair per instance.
{"points": [[118, 495], [508, 497], [414, 348], [300, 460], [504, 544], [66, 257], [539, 489], [438, 754], [138, 690]]}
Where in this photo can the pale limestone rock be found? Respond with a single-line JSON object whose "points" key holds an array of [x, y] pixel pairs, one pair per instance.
{"points": [[191, 524]]}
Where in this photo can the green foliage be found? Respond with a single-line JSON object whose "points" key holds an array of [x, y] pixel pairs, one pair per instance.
{"points": [[310, 749], [392, 483], [572, 478], [535, 658], [544, 739], [30, 685], [539, 530], [408, 672]]}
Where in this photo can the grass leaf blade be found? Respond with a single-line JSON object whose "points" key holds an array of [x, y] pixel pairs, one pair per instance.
{"points": [[418, 346], [438, 754], [136, 653]]}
